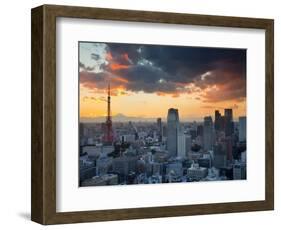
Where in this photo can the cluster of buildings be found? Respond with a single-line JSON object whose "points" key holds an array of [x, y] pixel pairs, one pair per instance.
{"points": [[121, 153]]}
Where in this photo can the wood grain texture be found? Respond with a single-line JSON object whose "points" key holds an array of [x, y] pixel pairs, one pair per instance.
{"points": [[269, 114], [44, 114], [37, 115]]}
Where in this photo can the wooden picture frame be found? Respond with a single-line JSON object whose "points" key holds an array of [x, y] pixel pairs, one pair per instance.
{"points": [[43, 208]]}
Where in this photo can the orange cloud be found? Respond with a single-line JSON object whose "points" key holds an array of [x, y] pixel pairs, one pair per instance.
{"points": [[161, 94], [116, 66], [175, 95]]}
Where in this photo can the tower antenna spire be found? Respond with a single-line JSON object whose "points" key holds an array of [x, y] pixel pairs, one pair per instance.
{"points": [[108, 136], [108, 102]]}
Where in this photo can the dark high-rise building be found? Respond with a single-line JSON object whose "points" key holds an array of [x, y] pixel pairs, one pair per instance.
{"points": [[208, 133], [193, 133], [227, 146], [242, 128], [159, 129], [220, 157], [228, 113], [164, 130], [228, 122], [218, 121], [172, 131], [200, 130]]}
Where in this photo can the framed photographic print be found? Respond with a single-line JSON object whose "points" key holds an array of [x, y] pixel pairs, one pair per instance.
{"points": [[141, 114]]}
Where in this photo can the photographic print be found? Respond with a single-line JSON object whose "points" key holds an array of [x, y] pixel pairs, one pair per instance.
{"points": [[151, 114], [125, 103]]}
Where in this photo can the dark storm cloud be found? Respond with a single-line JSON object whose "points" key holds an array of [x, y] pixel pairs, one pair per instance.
{"points": [[148, 79], [182, 64], [136, 78], [85, 68], [172, 69], [119, 50]]}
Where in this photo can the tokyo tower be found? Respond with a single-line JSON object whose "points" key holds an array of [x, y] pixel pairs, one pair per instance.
{"points": [[108, 135]]}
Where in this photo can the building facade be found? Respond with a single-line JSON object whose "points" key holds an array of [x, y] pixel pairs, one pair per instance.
{"points": [[242, 129], [208, 133], [172, 131]]}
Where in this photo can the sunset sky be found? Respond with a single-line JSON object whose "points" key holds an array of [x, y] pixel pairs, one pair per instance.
{"points": [[147, 80]]}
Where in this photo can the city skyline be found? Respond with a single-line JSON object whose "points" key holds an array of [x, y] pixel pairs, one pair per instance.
{"points": [[123, 118], [141, 76], [138, 99], [125, 153]]}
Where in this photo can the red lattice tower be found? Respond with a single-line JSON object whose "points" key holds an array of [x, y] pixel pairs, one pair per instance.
{"points": [[108, 135]]}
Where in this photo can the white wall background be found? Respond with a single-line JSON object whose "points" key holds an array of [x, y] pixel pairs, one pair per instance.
{"points": [[15, 113]]}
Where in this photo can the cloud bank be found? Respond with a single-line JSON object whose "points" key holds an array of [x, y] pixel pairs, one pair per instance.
{"points": [[213, 74]]}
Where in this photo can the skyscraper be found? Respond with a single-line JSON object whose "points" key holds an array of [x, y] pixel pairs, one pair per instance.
{"points": [[208, 133], [218, 121], [184, 144], [159, 128], [200, 130], [228, 118], [228, 113], [188, 143], [220, 157], [242, 129], [181, 148], [227, 147], [172, 131]]}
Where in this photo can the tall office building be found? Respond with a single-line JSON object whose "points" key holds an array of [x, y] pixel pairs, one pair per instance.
{"points": [[227, 147], [228, 113], [242, 129], [208, 133], [184, 144], [218, 120], [220, 156], [200, 130], [228, 119], [164, 131], [172, 131], [159, 129], [181, 148], [188, 143]]}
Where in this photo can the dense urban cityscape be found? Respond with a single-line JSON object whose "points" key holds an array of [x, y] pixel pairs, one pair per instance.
{"points": [[138, 152], [156, 113]]}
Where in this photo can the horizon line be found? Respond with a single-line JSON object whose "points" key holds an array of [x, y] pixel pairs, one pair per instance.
{"points": [[142, 119]]}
